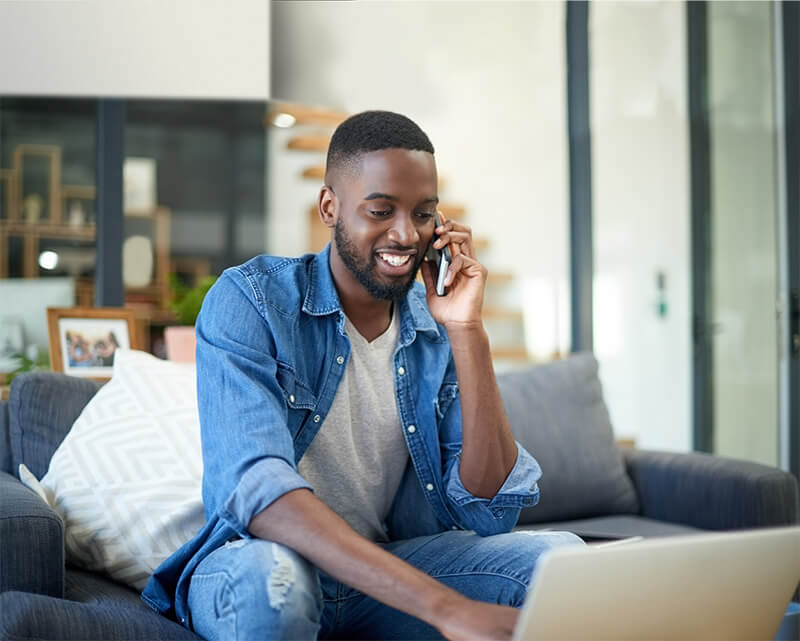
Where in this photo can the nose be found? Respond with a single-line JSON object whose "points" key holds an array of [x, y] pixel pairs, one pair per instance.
{"points": [[403, 231]]}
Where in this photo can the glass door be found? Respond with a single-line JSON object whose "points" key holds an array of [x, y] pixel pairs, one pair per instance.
{"points": [[743, 265]]}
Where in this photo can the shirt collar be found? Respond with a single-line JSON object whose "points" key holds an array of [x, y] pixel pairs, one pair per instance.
{"points": [[321, 299]]}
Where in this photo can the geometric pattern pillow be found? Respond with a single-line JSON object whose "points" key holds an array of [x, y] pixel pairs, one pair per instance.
{"points": [[126, 480]]}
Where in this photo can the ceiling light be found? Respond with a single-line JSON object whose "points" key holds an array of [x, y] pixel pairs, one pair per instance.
{"points": [[48, 260], [283, 120]]}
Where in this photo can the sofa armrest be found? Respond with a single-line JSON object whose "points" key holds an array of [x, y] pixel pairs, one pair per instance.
{"points": [[712, 492], [31, 541]]}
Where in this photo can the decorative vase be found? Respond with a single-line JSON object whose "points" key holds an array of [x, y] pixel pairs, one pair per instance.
{"points": [[180, 343]]}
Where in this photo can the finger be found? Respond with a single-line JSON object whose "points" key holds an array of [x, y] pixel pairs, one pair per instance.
{"points": [[463, 264], [455, 268], [448, 224], [462, 234], [453, 238]]}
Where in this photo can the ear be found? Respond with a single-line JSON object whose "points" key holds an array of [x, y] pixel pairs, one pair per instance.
{"points": [[328, 206]]}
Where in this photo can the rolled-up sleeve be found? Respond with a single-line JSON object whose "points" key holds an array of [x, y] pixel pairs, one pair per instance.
{"points": [[248, 451], [501, 512]]}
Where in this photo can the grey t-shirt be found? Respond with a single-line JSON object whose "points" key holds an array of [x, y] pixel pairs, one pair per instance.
{"points": [[356, 461]]}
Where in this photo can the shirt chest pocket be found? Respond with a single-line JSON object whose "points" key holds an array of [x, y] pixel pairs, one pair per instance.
{"points": [[300, 400], [447, 394]]}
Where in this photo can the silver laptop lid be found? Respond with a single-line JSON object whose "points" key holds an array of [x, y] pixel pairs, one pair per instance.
{"points": [[732, 585]]}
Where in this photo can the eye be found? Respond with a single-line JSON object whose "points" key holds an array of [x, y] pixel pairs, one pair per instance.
{"points": [[380, 213], [424, 214]]}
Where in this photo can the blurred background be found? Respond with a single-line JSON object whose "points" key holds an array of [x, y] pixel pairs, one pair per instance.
{"points": [[628, 170]]}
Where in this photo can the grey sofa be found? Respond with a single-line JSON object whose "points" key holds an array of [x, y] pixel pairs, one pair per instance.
{"points": [[557, 412]]}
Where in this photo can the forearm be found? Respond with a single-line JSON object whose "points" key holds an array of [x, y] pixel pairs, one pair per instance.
{"points": [[300, 521], [488, 448]]}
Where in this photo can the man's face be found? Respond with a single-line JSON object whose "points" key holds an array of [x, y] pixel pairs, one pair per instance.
{"points": [[386, 220]]}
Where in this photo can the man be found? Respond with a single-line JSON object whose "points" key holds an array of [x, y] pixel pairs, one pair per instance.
{"points": [[360, 475]]}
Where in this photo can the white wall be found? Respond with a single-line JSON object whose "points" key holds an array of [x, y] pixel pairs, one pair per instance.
{"points": [[146, 48], [640, 165], [486, 81]]}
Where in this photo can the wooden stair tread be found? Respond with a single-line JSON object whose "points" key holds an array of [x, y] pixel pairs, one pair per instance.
{"points": [[502, 313], [309, 142], [452, 210], [497, 278], [314, 173], [305, 115], [510, 353]]}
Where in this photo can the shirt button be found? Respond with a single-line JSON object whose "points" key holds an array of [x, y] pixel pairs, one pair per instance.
{"points": [[291, 398], [317, 418], [412, 429], [401, 370], [429, 487], [340, 359]]}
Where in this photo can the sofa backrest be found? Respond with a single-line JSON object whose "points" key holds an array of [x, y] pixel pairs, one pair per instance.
{"points": [[558, 414], [5, 439], [42, 406]]}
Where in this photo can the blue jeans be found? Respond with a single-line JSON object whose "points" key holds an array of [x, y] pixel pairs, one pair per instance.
{"points": [[255, 589]]}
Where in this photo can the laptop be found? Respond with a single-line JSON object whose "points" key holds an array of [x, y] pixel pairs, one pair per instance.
{"points": [[731, 585]]}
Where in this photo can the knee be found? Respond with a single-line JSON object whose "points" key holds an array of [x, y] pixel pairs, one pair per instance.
{"points": [[255, 589], [537, 543], [547, 539], [524, 548], [292, 585], [533, 544]]}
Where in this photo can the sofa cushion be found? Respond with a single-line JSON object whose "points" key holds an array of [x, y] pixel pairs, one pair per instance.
{"points": [[42, 408], [126, 479], [558, 414], [105, 617]]}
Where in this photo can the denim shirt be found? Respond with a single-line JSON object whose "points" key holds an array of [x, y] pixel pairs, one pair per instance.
{"points": [[271, 351]]}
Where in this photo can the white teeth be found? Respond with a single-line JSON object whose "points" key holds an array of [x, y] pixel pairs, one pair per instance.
{"points": [[394, 260]]}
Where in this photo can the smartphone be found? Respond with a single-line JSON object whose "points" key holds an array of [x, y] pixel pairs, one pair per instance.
{"points": [[442, 258]]}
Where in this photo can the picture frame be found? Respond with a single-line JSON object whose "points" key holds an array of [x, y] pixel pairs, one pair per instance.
{"points": [[139, 177], [83, 339], [9, 207], [51, 200]]}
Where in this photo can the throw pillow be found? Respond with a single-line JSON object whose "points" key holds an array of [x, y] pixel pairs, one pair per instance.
{"points": [[558, 414], [126, 480]]}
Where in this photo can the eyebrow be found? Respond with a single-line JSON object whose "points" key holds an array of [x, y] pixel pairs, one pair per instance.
{"points": [[376, 195]]}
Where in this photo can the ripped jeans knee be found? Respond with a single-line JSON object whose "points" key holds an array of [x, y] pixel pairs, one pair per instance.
{"points": [[254, 589], [281, 580]]}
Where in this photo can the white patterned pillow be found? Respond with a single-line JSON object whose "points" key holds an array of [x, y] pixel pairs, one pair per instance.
{"points": [[126, 479]]}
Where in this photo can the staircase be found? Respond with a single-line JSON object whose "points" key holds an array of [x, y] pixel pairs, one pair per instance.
{"points": [[308, 138]]}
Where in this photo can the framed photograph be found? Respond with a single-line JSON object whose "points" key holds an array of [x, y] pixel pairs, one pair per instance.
{"points": [[83, 339], [139, 184]]}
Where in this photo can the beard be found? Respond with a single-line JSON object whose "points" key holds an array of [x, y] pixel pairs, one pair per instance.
{"points": [[364, 270]]}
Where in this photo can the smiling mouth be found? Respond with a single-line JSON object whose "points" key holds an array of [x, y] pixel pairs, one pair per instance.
{"points": [[393, 259]]}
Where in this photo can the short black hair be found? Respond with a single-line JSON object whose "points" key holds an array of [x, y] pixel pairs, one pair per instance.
{"points": [[372, 131]]}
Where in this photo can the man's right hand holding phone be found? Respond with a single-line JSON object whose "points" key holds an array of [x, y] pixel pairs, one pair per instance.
{"points": [[464, 281]]}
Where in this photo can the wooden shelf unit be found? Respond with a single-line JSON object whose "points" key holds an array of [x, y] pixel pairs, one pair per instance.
{"points": [[33, 233]]}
